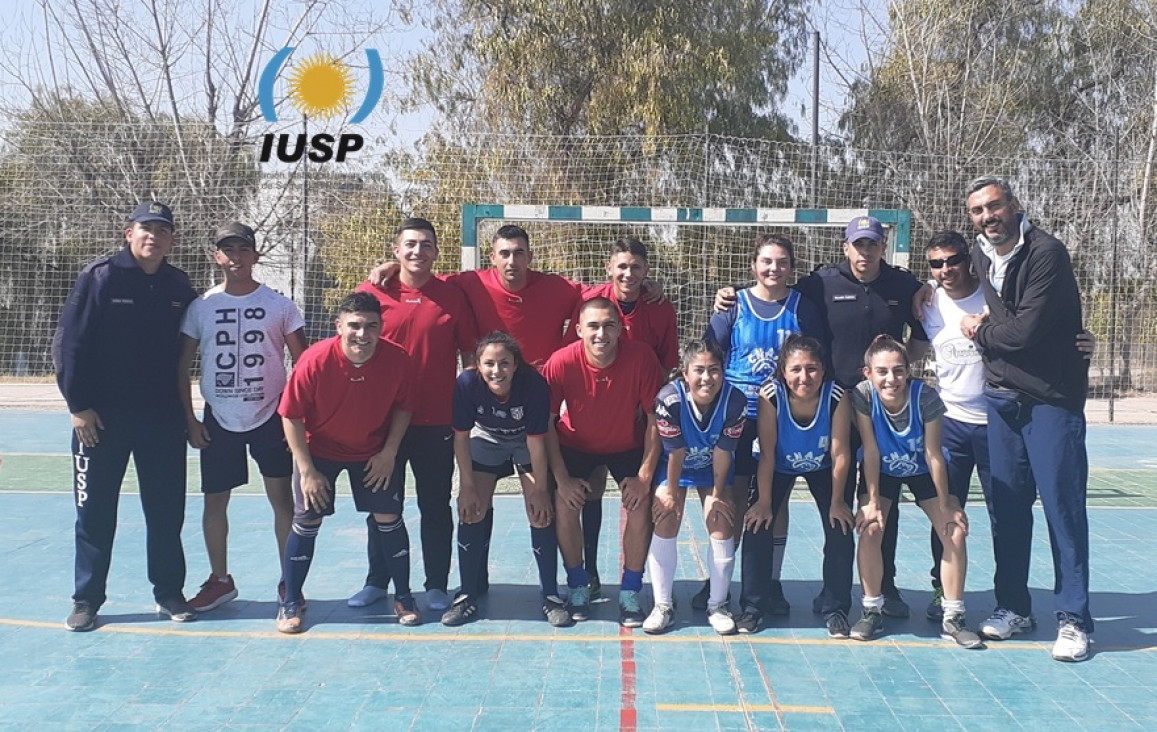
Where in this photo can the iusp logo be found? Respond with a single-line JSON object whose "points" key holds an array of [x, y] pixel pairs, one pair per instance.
{"points": [[320, 87]]}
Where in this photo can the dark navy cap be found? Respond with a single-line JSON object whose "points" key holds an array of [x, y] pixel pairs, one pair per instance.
{"points": [[152, 211], [865, 227]]}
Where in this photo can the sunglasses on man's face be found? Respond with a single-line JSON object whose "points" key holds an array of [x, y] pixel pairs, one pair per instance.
{"points": [[952, 261]]}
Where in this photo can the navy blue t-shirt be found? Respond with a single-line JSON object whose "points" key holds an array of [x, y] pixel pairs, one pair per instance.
{"points": [[525, 411]]}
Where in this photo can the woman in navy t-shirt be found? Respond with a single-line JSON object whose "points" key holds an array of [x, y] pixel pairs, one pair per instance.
{"points": [[500, 419]]}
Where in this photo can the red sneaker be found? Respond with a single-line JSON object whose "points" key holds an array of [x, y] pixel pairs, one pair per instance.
{"points": [[215, 592]]}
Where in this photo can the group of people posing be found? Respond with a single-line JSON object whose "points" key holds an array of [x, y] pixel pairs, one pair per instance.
{"points": [[509, 371]]}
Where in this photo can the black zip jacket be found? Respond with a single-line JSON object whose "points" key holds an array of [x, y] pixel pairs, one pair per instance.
{"points": [[1029, 338]]}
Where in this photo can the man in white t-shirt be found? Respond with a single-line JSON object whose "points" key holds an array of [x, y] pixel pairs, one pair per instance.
{"points": [[960, 376], [241, 329], [960, 373]]}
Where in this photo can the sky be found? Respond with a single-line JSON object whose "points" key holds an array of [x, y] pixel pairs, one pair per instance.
{"points": [[843, 25]]}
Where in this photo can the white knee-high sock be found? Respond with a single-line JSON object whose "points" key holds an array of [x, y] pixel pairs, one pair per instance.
{"points": [[720, 568], [661, 563]]}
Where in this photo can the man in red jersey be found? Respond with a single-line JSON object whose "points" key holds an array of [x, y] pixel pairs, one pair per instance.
{"points": [[433, 322], [645, 320], [598, 386], [346, 408]]}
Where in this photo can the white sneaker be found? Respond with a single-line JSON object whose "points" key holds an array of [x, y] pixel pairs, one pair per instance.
{"points": [[437, 599], [662, 617], [721, 620], [1004, 624], [1072, 643], [367, 596]]}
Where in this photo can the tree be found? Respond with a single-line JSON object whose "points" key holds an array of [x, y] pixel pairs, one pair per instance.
{"points": [[572, 67]]}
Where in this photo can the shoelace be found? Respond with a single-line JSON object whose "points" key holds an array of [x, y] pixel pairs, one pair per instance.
{"points": [[1070, 632]]}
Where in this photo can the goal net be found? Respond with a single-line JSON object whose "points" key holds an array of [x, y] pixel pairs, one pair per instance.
{"points": [[692, 251]]}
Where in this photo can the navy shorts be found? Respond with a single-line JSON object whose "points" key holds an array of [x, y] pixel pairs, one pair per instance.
{"points": [[388, 500], [745, 461], [223, 463], [621, 465], [922, 487]]}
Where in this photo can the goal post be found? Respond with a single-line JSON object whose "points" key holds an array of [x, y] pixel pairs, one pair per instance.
{"points": [[693, 251], [899, 221]]}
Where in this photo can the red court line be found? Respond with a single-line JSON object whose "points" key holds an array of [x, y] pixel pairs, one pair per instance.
{"points": [[628, 714]]}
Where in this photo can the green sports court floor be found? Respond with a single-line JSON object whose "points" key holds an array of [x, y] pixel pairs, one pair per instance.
{"points": [[510, 671]]}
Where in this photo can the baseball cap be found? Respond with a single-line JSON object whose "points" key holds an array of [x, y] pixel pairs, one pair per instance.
{"points": [[236, 230], [152, 211], [865, 227]]}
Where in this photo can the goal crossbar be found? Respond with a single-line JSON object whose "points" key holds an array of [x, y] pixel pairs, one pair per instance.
{"points": [[898, 220]]}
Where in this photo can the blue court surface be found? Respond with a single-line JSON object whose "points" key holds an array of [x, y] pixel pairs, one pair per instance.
{"points": [[357, 668]]}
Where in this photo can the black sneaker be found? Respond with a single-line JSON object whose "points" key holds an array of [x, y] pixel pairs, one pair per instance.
{"points": [[177, 609], [595, 585], [894, 605], [699, 600], [837, 623], [870, 625], [462, 611], [750, 621], [82, 618], [554, 609], [935, 610], [777, 604]]}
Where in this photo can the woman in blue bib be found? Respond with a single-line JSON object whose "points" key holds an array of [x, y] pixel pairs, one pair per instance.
{"points": [[804, 431], [898, 419], [700, 418], [751, 333]]}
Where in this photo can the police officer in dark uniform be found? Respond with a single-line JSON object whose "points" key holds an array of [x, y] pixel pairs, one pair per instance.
{"points": [[115, 352], [863, 297]]}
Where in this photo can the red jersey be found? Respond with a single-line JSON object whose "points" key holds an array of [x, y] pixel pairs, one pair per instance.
{"points": [[536, 315], [653, 323], [432, 323], [601, 404], [347, 409]]}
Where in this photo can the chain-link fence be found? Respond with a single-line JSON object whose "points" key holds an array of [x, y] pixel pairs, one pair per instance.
{"points": [[65, 189]]}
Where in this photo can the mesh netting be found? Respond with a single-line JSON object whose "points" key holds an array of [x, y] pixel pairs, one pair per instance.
{"points": [[65, 189]]}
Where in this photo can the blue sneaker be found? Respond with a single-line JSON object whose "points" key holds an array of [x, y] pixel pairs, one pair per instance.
{"points": [[630, 612], [579, 603]]}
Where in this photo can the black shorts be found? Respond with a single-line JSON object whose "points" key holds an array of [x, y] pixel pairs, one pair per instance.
{"points": [[745, 462], [621, 465], [922, 487], [388, 500], [223, 462]]}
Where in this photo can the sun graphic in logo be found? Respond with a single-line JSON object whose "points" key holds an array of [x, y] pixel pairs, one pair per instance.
{"points": [[321, 86]]}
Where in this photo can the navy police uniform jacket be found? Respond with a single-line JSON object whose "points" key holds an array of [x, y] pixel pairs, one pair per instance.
{"points": [[117, 345], [857, 312]]}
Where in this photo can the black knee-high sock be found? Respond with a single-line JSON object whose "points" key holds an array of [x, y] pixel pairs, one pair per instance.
{"points": [[394, 544], [484, 575], [473, 553], [592, 527], [298, 558], [544, 542], [378, 575]]}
